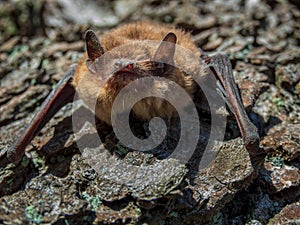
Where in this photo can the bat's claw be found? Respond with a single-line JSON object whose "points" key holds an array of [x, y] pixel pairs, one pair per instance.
{"points": [[256, 153], [3, 159], [13, 155]]}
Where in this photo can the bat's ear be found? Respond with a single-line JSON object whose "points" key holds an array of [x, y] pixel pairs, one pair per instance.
{"points": [[165, 51], [93, 48]]}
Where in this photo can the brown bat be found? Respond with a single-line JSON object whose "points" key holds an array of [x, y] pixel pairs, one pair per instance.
{"points": [[80, 78]]}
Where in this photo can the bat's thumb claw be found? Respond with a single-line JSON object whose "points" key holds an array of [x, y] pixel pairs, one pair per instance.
{"points": [[14, 156], [3, 159], [256, 153], [257, 157]]}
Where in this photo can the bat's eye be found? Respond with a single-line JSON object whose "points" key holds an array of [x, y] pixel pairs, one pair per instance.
{"points": [[160, 65], [162, 68]]}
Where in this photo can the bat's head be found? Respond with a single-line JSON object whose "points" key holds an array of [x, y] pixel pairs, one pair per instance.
{"points": [[128, 63]]}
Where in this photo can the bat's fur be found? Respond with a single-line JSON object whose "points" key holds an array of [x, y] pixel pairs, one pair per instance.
{"points": [[87, 84], [108, 67]]}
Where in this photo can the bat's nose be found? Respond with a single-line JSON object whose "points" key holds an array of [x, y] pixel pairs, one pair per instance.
{"points": [[124, 67], [124, 64]]}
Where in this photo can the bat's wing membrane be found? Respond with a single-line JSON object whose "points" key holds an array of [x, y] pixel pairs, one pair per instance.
{"points": [[61, 95]]}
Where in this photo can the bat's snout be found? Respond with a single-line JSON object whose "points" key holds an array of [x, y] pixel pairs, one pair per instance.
{"points": [[124, 66]]}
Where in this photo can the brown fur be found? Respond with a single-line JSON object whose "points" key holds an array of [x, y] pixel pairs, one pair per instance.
{"points": [[88, 87]]}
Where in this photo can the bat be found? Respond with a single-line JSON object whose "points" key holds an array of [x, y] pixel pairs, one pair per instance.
{"points": [[160, 64]]}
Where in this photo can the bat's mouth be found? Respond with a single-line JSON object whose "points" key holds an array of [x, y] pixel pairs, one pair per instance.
{"points": [[125, 72], [124, 67]]}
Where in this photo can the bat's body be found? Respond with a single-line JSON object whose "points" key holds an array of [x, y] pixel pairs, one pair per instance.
{"points": [[85, 84], [158, 62]]}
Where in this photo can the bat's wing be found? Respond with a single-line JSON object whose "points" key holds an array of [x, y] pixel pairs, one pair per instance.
{"points": [[220, 66], [62, 94]]}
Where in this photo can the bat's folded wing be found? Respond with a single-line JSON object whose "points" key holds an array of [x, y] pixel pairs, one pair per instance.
{"points": [[62, 94], [221, 68]]}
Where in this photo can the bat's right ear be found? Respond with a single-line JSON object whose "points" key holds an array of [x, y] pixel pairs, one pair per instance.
{"points": [[94, 49]]}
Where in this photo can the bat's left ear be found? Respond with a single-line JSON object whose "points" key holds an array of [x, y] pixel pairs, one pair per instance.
{"points": [[165, 51], [94, 49]]}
